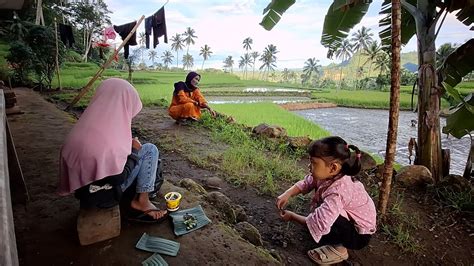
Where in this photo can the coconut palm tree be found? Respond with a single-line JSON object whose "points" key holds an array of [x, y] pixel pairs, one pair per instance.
{"points": [[285, 74], [141, 39], [245, 60], [167, 58], [188, 61], [292, 76], [189, 37], [254, 55], [228, 63], [361, 41], [152, 55], [372, 52], [383, 63], [205, 53], [312, 66], [443, 52], [247, 46], [177, 45], [269, 59], [344, 52]]}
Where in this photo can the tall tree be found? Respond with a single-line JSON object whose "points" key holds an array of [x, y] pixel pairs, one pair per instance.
{"points": [[394, 107], [205, 53], [372, 52], [152, 55], [228, 63], [177, 45], [254, 55], [141, 39], [312, 66], [344, 52], [89, 18], [247, 46], [361, 41], [167, 58], [443, 52], [189, 37], [268, 58], [188, 61], [285, 74], [245, 60]]}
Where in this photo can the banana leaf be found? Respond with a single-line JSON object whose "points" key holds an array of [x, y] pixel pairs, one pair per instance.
{"points": [[273, 12], [461, 118], [339, 20], [457, 65], [408, 24]]}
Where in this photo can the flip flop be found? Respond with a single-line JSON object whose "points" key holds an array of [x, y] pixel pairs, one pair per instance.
{"points": [[327, 255], [143, 217]]}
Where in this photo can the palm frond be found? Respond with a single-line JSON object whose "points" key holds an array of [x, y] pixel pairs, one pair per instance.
{"points": [[340, 19]]}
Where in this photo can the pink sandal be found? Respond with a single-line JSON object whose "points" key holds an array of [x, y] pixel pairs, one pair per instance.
{"points": [[327, 255]]}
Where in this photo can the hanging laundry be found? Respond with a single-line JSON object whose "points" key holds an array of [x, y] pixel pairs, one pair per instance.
{"points": [[123, 31], [66, 35], [109, 33], [148, 27], [157, 22]]}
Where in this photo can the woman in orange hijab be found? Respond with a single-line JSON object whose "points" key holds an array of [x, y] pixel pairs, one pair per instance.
{"points": [[187, 100]]}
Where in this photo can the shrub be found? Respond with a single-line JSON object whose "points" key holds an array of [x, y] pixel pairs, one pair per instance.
{"points": [[42, 42], [20, 58]]}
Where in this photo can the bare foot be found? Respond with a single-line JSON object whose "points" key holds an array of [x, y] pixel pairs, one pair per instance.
{"points": [[142, 203]]}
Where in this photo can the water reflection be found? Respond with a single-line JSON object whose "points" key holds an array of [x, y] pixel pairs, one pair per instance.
{"points": [[368, 130], [272, 90], [253, 99]]}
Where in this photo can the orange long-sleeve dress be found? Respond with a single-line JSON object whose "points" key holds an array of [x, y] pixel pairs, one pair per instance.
{"points": [[182, 105]]}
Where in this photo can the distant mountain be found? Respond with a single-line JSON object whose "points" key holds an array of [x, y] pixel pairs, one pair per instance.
{"points": [[408, 60]]}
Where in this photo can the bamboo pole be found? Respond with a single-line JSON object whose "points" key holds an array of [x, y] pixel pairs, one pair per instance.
{"points": [[57, 53], [104, 66]]}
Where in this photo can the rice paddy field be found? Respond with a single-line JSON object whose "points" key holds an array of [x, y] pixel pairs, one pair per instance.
{"points": [[156, 87]]}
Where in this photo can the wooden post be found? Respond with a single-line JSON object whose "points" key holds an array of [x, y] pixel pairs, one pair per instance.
{"points": [[446, 160], [57, 53], [104, 66]]}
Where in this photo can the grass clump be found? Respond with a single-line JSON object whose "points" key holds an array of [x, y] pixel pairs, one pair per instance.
{"points": [[252, 161], [399, 225]]}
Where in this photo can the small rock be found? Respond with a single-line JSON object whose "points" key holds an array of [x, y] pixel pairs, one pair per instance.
{"points": [[192, 186], [414, 175], [250, 233]]}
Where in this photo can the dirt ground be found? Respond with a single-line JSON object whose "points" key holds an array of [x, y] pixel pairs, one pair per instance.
{"points": [[46, 226]]}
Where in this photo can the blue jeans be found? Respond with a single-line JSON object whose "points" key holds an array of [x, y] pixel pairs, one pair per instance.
{"points": [[145, 170]]}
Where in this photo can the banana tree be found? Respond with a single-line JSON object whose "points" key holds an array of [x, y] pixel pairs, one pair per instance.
{"points": [[420, 18]]}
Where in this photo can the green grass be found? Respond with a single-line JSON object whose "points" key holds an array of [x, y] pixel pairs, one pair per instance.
{"points": [[253, 114], [365, 99], [251, 161]]}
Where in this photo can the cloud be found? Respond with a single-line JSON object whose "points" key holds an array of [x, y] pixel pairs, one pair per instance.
{"points": [[224, 24]]}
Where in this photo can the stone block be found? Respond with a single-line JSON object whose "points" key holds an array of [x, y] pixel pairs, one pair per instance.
{"points": [[95, 225]]}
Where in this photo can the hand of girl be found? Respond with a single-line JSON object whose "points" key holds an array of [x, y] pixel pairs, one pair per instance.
{"points": [[286, 215], [136, 144], [282, 201]]}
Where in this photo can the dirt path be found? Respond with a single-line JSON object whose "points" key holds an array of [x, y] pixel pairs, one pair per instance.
{"points": [[46, 226]]}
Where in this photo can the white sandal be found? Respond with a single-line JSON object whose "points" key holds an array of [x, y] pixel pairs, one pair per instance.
{"points": [[327, 255]]}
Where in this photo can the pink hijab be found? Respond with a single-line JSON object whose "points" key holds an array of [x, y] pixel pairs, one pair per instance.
{"points": [[99, 143]]}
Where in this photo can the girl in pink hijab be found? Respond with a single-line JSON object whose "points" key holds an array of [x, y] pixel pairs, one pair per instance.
{"points": [[100, 159]]}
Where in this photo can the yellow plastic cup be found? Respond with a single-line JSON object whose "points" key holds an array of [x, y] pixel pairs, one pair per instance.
{"points": [[172, 200]]}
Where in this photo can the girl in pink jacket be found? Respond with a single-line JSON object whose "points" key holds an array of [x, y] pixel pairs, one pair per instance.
{"points": [[343, 214]]}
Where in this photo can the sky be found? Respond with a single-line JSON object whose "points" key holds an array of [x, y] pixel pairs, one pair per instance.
{"points": [[224, 24]]}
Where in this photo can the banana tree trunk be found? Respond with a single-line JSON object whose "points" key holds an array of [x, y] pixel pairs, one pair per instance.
{"points": [[429, 140], [394, 108]]}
